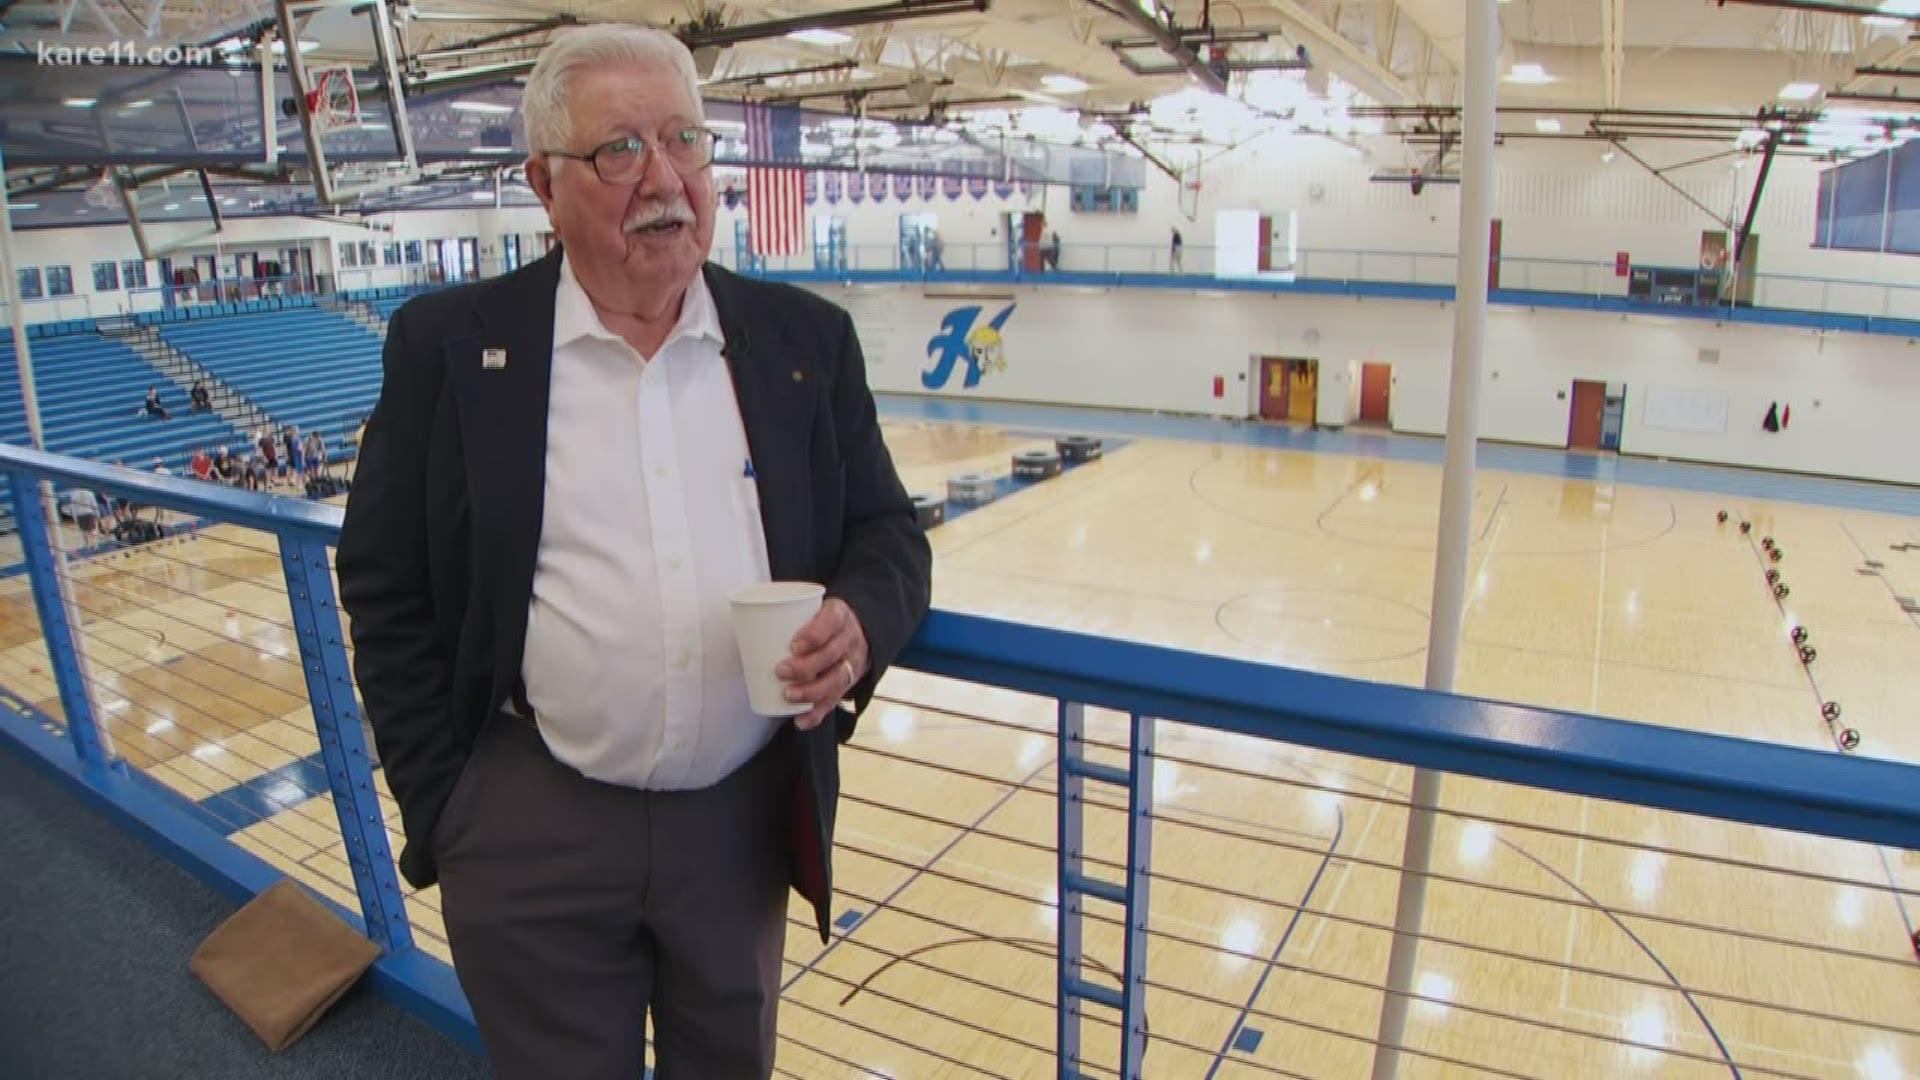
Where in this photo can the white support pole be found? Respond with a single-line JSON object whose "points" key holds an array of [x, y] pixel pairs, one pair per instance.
{"points": [[1456, 504], [30, 402]]}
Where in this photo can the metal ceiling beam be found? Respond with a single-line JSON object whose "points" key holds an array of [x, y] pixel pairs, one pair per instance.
{"points": [[1904, 52], [1238, 35], [1361, 67], [1158, 23], [537, 27], [1120, 132], [830, 20], [1823, 7], [1906, 104], [860, 90], [757, 77], [1229, 66]]}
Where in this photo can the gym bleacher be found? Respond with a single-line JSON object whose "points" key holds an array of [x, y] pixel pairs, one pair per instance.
{"points": [[306, 366], [387, 299], [302, 364], [91, 392]]}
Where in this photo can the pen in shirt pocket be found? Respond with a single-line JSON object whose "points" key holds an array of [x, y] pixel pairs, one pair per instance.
{"points": [[746, 469]]}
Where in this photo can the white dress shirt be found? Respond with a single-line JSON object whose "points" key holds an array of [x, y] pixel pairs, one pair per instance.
{"points": [[651, 519]]}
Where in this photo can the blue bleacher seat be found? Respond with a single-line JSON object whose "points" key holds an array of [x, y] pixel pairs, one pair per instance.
{"points": [[90, 390], [303, 365]]}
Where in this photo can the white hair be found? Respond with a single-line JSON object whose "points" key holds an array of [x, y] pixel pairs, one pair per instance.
{"points": [[544, 104]]}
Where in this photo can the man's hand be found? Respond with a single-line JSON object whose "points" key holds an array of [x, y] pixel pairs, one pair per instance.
{"points": [[829, 655]]}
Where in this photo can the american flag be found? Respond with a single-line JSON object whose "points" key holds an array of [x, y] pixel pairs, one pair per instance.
{"points": [[776, 214]]}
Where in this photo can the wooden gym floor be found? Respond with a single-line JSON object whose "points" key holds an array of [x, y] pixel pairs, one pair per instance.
{"points": [[1568, 938]]}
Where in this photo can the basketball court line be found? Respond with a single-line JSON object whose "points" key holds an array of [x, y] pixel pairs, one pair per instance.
{"points": [[1280, 946], [925, 865], [1615, 919]]}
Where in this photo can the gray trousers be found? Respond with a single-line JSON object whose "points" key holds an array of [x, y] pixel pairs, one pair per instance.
{"points": [[574, 907]]}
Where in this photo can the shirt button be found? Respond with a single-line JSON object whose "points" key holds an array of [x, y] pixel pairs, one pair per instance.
{"points": [[673, 564], [680, 660]]}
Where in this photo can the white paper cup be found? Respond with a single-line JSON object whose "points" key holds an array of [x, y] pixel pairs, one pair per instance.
{"points": [[766, 616]]}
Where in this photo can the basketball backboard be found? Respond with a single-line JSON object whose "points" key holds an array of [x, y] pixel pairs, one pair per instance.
{"points": [[357, 137]]}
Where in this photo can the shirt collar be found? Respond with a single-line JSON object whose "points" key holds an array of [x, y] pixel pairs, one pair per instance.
{"points": [[575, 318]]}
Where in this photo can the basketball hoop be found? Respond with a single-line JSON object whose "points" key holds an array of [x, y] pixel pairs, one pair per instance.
{"points": [[1190, 194], [104, 193], [334, 102]]}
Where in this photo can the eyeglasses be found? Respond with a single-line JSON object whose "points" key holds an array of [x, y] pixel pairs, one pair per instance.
{"points": [[623, 161]]}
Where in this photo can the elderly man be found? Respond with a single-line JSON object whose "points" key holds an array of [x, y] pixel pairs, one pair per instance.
{"points": [[569, 469]]}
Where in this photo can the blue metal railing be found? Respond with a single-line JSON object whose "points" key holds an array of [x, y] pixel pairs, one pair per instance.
{"points": [[1828, 794]]}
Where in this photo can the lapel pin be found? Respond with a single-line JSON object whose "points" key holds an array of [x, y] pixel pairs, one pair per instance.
{"points": [[796, 375], [493, 359]]}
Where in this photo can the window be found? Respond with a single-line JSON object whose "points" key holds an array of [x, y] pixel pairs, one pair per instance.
{"points": [[368, 257], [1103, 200], [29, 283], [59, 281], [413, 252], [510, 243], [106, 276], [133, 273], [390, 253], [349, 254]]}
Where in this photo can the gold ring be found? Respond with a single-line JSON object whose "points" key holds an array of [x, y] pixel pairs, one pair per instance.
{"points": [[848, 664]]}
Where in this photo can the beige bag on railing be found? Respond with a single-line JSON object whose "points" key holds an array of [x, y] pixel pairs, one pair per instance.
{"points": [[281, 962]]}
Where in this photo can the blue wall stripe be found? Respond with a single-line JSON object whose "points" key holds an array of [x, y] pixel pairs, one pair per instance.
{"points": [[1732, 481]]}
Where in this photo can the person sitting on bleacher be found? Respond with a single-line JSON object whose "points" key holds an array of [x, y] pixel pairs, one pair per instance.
{"points": [[202, 401], [201, 464], [227, 467], [259, 471], [153, 406]]}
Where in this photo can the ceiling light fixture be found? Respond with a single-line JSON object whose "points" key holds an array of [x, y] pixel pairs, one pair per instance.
{"points": [[1063, 84], [1799, 91], [821, 36], [1891, 12], [1529, 74]]}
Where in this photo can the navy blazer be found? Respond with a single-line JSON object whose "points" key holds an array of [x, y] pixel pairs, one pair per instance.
{"points": [[436, 558]]}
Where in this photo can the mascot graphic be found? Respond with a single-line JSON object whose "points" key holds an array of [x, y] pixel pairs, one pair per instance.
{"points": [[959, 341]]}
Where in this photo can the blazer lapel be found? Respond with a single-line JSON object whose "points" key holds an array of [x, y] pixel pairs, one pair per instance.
{"points": [[777, 392], [501, 385]]}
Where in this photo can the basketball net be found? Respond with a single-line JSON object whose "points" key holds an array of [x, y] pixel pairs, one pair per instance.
{"points": [[333, 103], [104, 193], [1190, 193]]}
